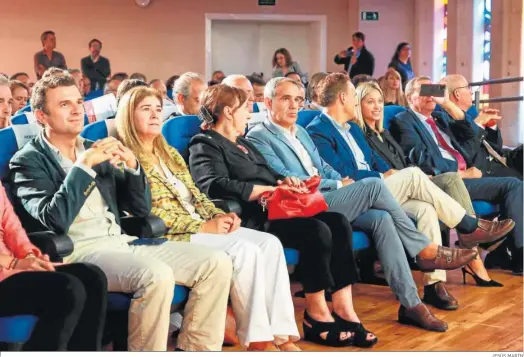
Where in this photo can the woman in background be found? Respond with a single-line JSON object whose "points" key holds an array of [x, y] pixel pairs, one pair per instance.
{"points": [[283, 64], [401, 62], [392, 89]]}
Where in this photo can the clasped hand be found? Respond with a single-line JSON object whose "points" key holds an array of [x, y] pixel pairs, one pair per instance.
{"points": [[108, 149]]}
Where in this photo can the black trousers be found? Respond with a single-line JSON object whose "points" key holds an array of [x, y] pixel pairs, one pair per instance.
{"points": [[326, 249], [70, 305]]}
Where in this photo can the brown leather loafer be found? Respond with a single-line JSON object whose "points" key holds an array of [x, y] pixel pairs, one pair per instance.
{"points": [[486, 232], [438, 295], [447, 259], [420, 316]]}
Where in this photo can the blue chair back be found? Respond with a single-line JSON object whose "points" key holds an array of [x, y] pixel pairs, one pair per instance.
{"points": [[99, 130], [256, 109], [472, 112], [170, 94], [12, 139], [94, 94], [178, 132], [17, 329], [306, 116], [389, 113], [27, 108]]}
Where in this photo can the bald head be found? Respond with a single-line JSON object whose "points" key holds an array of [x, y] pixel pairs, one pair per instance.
{"points": [[459, 90], [241, 82]]}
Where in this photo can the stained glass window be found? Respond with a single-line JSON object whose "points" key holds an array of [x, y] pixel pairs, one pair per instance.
{"points": [[445, 40]]}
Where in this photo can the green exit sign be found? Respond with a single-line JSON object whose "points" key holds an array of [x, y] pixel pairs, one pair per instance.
{"points": [[266, 2], [369, 15]]}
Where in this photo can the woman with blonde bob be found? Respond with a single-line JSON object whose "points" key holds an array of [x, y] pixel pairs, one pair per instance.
{"points": [[370, 118], [260, 290], [392, 88]]}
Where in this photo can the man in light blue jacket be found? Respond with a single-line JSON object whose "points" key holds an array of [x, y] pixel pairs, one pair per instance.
{"points": [[368, 204]]}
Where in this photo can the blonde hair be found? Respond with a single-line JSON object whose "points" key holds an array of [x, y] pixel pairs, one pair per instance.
{"points": [[363, 90], [399, 93], [126, 129]]}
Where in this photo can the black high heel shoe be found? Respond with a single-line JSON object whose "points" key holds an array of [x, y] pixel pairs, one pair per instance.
{"points": [[478, 280]]}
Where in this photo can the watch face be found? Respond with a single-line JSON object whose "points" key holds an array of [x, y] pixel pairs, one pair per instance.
{"points": [[143, 3]]}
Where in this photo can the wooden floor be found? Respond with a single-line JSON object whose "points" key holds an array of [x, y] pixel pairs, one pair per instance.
{"points": [[488, 319]]}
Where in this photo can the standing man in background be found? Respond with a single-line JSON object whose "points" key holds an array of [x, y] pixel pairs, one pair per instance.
{"points": [[48, 57], [357, 59], [96, 67]]}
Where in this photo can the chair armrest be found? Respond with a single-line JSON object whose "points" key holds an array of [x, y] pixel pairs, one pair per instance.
{"points": [[52, 244], [228, 206], [149, 227]]}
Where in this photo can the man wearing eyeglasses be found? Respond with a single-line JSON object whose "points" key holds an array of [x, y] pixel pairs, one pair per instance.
{"points": [[484, 141]]}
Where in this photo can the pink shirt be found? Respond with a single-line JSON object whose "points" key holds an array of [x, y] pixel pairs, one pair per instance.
{"points": [[13, 238]]}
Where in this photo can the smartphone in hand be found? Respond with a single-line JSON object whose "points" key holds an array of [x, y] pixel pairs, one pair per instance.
{"points": [[432, 90]]}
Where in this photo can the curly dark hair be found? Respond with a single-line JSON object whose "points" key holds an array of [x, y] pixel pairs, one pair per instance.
{"points": [[286, 55]]}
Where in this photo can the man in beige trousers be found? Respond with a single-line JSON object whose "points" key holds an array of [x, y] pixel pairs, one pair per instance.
{"points": [[343, 145]]}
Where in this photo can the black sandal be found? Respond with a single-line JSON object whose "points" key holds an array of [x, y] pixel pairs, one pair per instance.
{"points": [[313, 329], [360, 334]]}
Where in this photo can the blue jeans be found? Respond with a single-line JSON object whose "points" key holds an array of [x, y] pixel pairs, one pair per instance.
{"points": [[370, 207]]}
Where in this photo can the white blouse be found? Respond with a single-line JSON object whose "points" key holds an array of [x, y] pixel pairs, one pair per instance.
{"points": [[186, 196]]}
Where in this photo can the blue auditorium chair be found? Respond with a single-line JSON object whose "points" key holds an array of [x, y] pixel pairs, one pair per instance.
{"points": [[99, 130], [389, 113], [170, 94], [306, 116], [482, 209], [27, 108], [22, 118], [94, 94], [256, 109], [59, 246]]}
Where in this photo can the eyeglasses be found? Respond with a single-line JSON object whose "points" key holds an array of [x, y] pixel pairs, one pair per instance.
{"points": [[468, 87]]}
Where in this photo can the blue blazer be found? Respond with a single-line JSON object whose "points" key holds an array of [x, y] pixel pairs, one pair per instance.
{"points": [[335, 150], [282, 157], [419, 146]]}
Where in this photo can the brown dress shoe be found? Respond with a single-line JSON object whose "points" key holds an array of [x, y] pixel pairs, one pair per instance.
{"points": [[486, 232], [438, 295], [420, 316], [447, 259]]}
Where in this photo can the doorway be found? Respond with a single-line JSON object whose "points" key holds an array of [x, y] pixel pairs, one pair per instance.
{"points": [[245, 43]]}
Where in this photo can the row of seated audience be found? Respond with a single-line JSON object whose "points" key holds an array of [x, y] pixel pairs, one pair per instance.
{"points": [[63, 183]]}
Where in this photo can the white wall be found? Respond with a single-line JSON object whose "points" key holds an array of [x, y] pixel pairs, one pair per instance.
{"points": [[395, 25], [250, 45]]}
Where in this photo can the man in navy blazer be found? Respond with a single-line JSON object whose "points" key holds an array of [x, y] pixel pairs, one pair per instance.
{"points": [[367, 204], [343, 145], [335, 143], [431, 137]]}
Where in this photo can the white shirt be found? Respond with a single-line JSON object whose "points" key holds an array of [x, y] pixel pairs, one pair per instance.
{"points": [[362, 164], [94, 223], [444, 152], [185, 195], [300, 150]]}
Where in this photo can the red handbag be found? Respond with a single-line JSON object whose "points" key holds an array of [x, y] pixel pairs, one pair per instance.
{"points": [[284, 203]]}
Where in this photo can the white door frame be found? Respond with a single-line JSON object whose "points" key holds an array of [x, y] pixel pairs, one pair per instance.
{"points": [[321, 19]]}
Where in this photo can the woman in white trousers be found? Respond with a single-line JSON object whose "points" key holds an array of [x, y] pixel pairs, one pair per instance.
{"points": [[260, 291]]}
